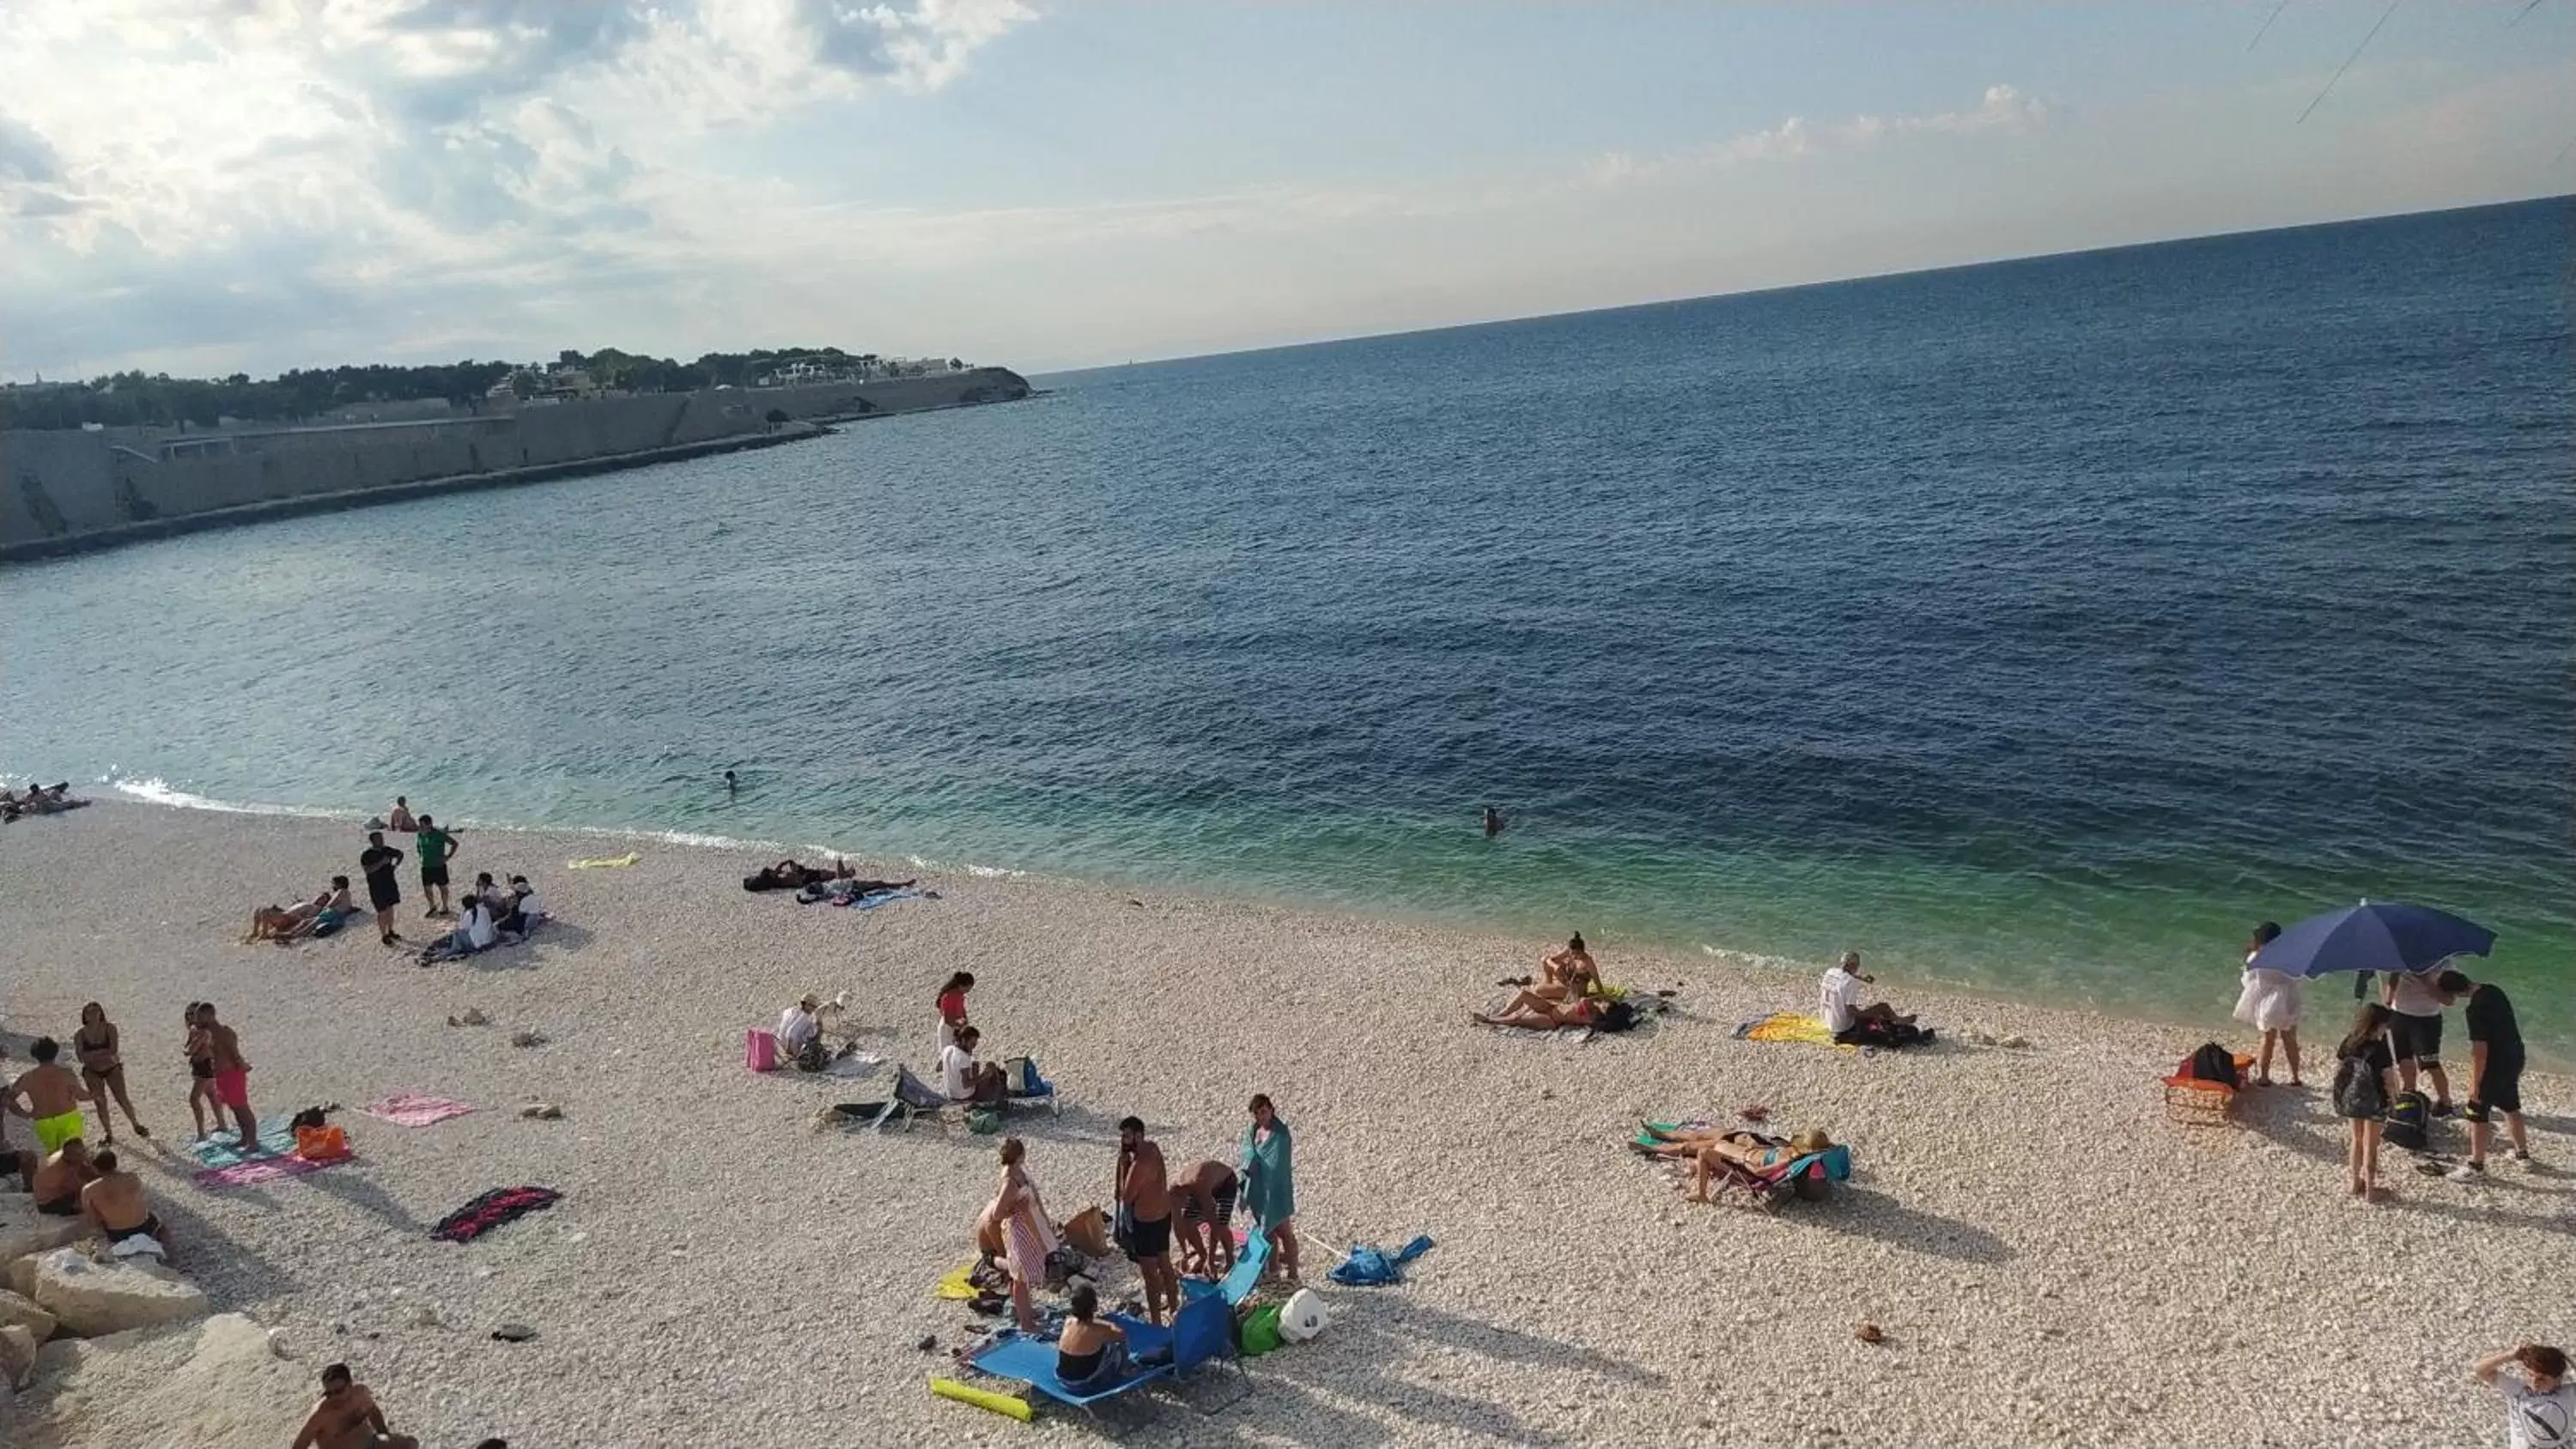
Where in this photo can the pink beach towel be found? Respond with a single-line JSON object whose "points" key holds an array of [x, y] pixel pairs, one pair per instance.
{"points": [[417, 1109], [261, 1169]]}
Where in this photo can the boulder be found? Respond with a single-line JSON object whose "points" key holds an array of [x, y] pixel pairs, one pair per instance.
{"points": [[18, 1275], [91, 1299], [210, 1384], [32, 1235], [17, 1356], [17, 1309]]}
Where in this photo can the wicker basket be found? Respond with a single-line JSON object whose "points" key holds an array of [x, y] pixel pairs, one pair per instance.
{"points": [[2199, 1103]]}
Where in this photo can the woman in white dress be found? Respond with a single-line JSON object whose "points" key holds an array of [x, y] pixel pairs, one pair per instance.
{"points": [[2270, 1004]]}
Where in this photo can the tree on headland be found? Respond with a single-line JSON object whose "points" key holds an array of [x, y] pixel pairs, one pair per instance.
{"points": [[134, 399]]}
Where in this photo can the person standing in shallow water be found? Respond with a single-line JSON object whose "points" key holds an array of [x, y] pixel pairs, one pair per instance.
{"points": [[1494, 822], [2269, 1003], [1269, 1182], [731, 784]]}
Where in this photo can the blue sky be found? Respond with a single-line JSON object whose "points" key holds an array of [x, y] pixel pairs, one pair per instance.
{"points": [[205, 185]]}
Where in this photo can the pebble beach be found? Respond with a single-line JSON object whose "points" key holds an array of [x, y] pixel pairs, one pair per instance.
{"points": [[2048, 1259]]}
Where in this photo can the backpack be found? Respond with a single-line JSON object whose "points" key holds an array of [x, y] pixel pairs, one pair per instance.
{"points": [[2357, 1090], [2407, 1115]]}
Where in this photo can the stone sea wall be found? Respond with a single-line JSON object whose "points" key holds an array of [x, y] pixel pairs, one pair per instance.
{"points": [[63, 491]]}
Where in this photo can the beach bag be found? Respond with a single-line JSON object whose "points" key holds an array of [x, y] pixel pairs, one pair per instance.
{"points": [[321, 1144], [983, 1121], [760, 1050], [1089, 1231], [1261, 1331], [1020, 1076], [2408, 1113]]}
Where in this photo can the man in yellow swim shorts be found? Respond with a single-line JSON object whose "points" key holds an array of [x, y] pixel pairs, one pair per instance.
{"points": [[49, 1093]]}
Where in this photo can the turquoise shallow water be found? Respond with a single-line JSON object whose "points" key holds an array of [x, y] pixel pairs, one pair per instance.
{"points": [[2035, 627]]}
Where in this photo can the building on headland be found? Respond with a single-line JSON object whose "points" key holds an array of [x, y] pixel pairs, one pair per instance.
{"points": [[62, 490]]}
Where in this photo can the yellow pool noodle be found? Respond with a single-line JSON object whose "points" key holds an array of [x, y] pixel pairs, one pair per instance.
{"points": [[1002, 1404]]}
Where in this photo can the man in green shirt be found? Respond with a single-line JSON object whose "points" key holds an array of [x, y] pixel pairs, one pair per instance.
{"points": [[435, 847]]}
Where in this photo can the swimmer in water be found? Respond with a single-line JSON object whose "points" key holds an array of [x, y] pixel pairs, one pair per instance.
{"points": [[731, 784], [1493, 822]]}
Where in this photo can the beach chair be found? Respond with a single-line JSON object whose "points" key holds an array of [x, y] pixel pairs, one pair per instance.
{"points": [[1202, 1330]]}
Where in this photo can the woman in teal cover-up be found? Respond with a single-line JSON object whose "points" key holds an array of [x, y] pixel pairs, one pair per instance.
{"points": [[1269, 1182]]}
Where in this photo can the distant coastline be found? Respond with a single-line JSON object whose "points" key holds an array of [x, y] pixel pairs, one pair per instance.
{"points": [[76, 490]]}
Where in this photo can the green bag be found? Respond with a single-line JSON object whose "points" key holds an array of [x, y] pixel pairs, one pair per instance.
{"points": [[1261, 1331], [983, 1120]]}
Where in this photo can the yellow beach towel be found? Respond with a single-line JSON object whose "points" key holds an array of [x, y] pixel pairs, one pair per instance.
{"points": [[1789, 1026], [955, 1285], [606, 862]]}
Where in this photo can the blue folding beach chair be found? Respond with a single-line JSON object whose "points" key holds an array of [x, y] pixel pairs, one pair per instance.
{"points": [[913, 1097], [1201, 1331]]}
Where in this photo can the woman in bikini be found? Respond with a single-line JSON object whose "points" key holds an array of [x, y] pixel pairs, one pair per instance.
{"points": [[1569, 974], [103, 1070], [1533, 1010], [1731, 1156], [199, 1049]]}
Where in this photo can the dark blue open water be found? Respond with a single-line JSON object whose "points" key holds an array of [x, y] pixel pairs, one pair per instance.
{"points": [[2037, 626]]}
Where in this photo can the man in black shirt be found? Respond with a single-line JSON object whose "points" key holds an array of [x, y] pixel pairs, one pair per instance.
{"points": [[2495, 1068], [384, 891]]}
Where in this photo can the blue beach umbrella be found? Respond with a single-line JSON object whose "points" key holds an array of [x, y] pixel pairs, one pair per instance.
{"points": [[2373, 936]]}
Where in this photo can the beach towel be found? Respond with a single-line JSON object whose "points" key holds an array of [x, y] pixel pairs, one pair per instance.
{"points": [[1368, 1266], [887, 898], [491, 1210], [959, 1285], [416, 1109], [605, 862], [276, 1139], [1790, 1026], [265, 1169]]}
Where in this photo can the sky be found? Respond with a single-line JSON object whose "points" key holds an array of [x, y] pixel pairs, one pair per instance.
{"points": [[205, 186]]}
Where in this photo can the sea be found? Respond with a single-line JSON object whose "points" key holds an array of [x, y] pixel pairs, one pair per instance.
{"points": [[2034, 628]]}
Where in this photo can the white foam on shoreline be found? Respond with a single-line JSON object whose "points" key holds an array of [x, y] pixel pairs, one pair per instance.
{"points": [[153, 790]]}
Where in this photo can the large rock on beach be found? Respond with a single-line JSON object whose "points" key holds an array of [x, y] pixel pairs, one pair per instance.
{"points": [[25, 1235], [17, 1356], [206, 1385], [93, 1299], [16, 1308]]}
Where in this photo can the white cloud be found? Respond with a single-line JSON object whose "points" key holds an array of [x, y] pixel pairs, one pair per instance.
{"points": [[2004, 108], [462, 144]]}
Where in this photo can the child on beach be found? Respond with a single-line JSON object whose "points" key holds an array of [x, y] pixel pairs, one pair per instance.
{"points": [[2270, 1004], [2539, 1403], [952, 1007], [2362, 1067], [198, 1048]]}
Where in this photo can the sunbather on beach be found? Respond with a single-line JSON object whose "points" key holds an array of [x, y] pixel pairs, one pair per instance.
{"points": [[1727, 1155], [1570, 974], [1853, 1024], [59, 1178], [347, 1417], [284, 923], [113, 1203], [102, 1068], [952, 1007], [1092, 1350], [1144, 1198], [198, 1048], [1268, 1157], [1203, 1206], [49, 1095], [1533, 1011], [792, 875], [399, 818], [1017, 1217], [963, 1079], [232, 1076]]}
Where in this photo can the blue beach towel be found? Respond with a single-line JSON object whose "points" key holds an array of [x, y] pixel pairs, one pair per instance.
{"points": [[276, 1139], [886, 898], [1368, 1266]]}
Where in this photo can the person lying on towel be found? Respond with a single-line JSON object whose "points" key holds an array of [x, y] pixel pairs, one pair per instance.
{"points": [[963, 1078], [1533, 1011], [1732, 1155], [1853, 1024], [791, 875]]}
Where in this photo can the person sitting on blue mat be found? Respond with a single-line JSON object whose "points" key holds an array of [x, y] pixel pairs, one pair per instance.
{"points": [[1092, 1353]]}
